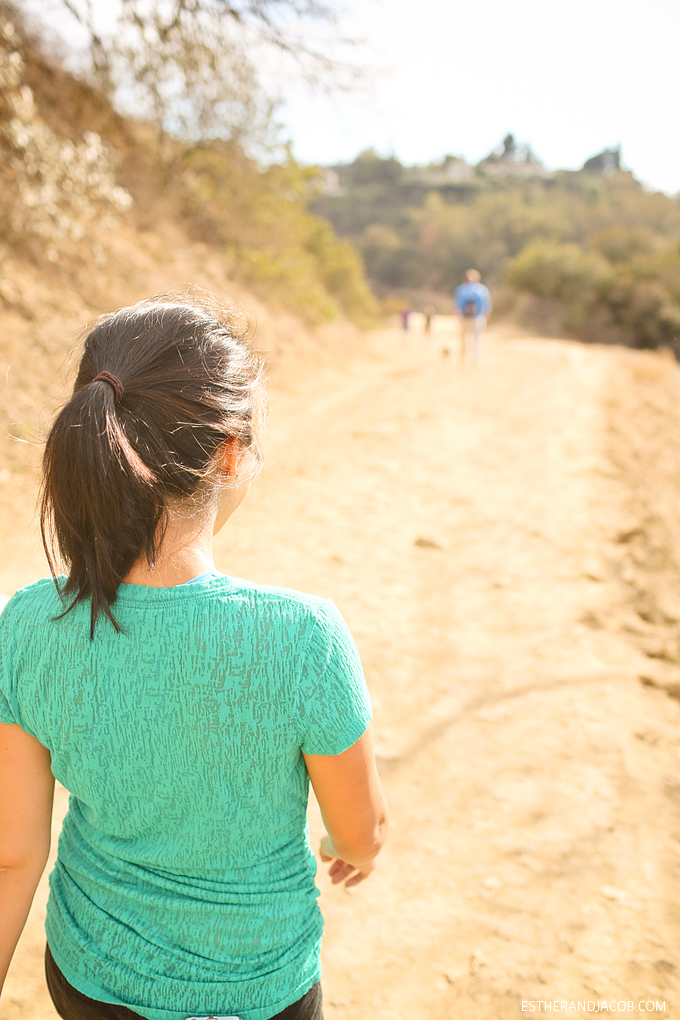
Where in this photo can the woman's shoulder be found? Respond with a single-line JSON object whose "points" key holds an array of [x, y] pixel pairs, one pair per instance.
{"points": [[275, 594], [29, 608], [285, 600], [318, 611], [44, 591]]}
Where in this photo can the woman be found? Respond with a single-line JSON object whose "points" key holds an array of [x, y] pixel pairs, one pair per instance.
{"points": [[184, 710]]}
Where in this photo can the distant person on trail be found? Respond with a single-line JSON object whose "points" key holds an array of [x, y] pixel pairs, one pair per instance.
{"points": [[429, 313], [405, 316], [472, 303], [185, 710]]}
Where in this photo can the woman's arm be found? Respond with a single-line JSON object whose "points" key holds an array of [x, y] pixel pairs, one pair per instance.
{"points": [[26, 793], [353, 809]]}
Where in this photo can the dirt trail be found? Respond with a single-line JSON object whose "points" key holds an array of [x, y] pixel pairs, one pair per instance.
{"points": [[468, 523]]}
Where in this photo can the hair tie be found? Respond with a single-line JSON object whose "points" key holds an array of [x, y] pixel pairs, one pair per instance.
{"points": [[113, 381]]}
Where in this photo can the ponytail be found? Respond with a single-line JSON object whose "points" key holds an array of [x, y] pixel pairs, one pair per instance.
{"points": [[161, 387]]}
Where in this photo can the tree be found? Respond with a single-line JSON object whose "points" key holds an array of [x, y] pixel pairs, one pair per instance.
{"points": [[512, 153], [606, 162], [187, 67]]}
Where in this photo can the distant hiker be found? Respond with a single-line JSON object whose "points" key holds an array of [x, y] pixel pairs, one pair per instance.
{"points": [[186, 711], [472, 303], [429, 312], [405, 315]]}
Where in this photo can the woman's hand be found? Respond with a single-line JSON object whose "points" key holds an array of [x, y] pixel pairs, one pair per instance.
{"points": [[340, 870]]}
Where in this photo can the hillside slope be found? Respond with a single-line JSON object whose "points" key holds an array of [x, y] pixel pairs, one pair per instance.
{"points": [[91, 218], [43, 323]]}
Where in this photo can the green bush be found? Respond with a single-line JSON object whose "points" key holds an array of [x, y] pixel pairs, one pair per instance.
{"points": [[259, 217], [603, 250], [561, 271]]}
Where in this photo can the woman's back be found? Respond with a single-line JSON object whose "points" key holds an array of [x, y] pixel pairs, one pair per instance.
{"points": [[184, 862], [186, 713]]}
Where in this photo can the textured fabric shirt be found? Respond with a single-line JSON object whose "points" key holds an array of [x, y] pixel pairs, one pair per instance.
{"points": [[472, 298], [184, 883]]}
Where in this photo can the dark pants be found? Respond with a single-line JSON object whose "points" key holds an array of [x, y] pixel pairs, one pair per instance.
{"points": [[71, 1004]]}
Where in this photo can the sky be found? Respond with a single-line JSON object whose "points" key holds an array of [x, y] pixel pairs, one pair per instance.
{"points": [[568, 78], [455, 77]]}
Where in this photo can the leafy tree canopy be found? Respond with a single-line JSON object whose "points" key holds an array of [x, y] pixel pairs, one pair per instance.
{"points": [[595, 245]]}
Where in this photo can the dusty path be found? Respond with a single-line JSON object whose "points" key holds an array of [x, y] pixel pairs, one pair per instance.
{"points": [[465, 521]]}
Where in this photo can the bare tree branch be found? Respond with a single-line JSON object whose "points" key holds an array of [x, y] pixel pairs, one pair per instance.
{"points": [[187, 65]]}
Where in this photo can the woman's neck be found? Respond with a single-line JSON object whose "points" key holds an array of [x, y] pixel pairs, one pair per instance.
{"points": [[186, 550], [185, 553]]}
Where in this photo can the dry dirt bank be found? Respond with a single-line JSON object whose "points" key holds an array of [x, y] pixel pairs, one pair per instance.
{"points": [[502, 542], [40, 324]]}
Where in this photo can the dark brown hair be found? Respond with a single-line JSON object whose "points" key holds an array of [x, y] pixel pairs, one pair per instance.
{"points": [[114, 460]]}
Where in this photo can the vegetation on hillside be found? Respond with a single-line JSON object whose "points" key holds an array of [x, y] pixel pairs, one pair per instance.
{"points": [[72, 167], [591, 252], [597, 253]]}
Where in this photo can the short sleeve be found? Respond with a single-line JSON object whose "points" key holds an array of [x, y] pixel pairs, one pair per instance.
{"points": [[7, 714], [334, 704]]}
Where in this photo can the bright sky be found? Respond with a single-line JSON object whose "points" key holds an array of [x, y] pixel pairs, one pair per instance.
{"points": [[568, 78]]}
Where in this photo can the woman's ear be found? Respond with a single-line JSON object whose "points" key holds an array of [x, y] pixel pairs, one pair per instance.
{"points": [[228, 458]]}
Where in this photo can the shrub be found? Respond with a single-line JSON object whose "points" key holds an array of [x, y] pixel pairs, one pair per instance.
{"points": [[561, 271]]}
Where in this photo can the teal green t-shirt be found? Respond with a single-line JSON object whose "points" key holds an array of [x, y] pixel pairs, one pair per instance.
{"points": [[184, 883]]}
